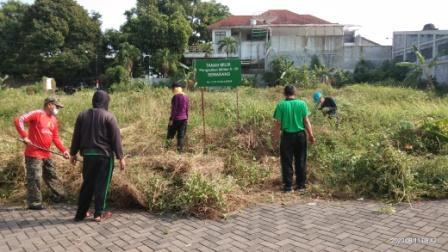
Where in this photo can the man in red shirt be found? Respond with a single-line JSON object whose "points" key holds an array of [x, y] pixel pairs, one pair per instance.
{"points": [[42, 132]]}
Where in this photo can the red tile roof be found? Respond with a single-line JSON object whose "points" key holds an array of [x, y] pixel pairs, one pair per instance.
{"points": [[272, 17]]}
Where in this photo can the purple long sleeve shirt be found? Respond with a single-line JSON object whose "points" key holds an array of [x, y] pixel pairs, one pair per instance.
{"points": [[179, 107]]}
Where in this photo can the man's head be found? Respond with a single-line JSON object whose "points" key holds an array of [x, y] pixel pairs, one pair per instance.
{"points": [[176, 87], [101, 99], [318, 97], [289, 91], [52, 105]]}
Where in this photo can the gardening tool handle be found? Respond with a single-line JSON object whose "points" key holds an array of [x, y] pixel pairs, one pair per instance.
{"points": [[40, 148]]}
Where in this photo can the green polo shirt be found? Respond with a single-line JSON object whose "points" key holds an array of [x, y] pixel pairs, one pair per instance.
{"points": [[291, 113]]}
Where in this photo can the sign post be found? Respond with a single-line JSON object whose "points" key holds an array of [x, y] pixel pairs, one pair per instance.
{"points": [[49, 85], [218, 73]]}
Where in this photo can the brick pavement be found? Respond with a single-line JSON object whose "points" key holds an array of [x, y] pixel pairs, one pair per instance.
{"points": [[319, 226]]}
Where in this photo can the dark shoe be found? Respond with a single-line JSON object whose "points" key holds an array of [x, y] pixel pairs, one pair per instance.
{"points": [[287, 190], [57, 199], [36, 207], [301, 189], [88, 215]]}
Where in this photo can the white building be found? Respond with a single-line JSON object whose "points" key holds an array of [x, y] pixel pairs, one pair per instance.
{"points": [[431, 43], [263, 38]]}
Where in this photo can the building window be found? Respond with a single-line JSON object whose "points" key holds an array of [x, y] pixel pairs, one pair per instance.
{"points": [[219, 35]]}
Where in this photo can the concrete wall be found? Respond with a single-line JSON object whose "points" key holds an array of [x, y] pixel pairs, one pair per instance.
{"points": [[375, 54], [441, 71], [301, 43], [252, 50]]}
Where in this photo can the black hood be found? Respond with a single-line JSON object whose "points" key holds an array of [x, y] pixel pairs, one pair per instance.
{"points": [[101, 100]]}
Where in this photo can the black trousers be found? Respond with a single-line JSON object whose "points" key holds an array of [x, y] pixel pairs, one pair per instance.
{"points": [[178, 128], [293, 148], [97, 174]]}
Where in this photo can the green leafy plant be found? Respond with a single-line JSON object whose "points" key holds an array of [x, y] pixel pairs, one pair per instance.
{"points": [[245, 173], [228, 44], [421, 70], [203, 196]]}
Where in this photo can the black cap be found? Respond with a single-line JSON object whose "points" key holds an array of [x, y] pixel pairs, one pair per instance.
{"points": [[175, 85], [53, 100], [289, 90]]}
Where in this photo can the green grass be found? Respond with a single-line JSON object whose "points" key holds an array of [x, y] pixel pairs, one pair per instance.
{"points": [[368, 155]]}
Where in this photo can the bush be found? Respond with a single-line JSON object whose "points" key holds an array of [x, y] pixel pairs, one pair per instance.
{"points": [[281, 65], [364, 72], [270, 78], [390, 70], [432, 178], [117, 75], [341, 78], [315, 62], [246, 173], [248, 82], [431, 137], [381, 172], [202, 196], [35, 88], [158, 194]]}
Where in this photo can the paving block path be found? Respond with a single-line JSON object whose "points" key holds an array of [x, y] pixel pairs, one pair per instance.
{"points": [[318, 226]]}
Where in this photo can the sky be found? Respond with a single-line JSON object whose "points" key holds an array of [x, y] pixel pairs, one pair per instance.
{"points": [[376, 19]]}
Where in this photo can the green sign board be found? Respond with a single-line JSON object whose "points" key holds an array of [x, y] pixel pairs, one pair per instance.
{"points": [[218, 73]]}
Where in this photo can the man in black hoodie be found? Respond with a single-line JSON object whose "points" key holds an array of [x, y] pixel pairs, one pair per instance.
{"points": [[97, 138]]}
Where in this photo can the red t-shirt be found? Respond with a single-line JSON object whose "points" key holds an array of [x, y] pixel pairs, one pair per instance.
{"points": [[42, 131]]}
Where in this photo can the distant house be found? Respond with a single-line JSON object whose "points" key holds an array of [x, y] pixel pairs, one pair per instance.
{"points": [[274, 33], [431, 43]]}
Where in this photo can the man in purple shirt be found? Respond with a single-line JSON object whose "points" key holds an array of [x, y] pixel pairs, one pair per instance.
{"points": [[179, 117]]}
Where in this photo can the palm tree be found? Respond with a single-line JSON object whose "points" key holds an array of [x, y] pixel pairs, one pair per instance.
{"points": [[420, 70], [127, 56], [166, 62], [228, 44]]}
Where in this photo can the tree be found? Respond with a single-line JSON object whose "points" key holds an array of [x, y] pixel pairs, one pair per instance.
{"points": [[146, 28], [166, 62], [12, 14], [179, 32], [420, 71], [364, 71], [203, 15], [58, 39], [155, 25], [315, 62], [127, 56], [228, 44]]}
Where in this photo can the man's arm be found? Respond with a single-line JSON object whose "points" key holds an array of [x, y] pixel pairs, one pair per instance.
{"points": [[188, 106], [173, 109], [309, 130], [116, 142], [275, 134], [76, 141], [20, 121], [57, 141]]}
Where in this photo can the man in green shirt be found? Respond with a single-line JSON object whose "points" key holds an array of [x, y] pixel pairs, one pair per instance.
{"points": [[291, 119]]}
